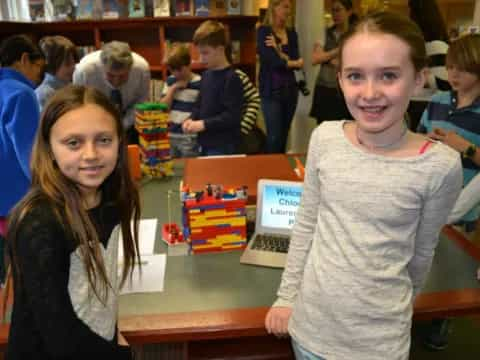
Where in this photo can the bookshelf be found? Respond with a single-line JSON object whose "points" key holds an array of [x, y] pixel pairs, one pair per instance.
{"points": [[146, 36]]}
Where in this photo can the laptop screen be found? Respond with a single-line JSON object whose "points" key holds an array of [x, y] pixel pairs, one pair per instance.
{"points": [[279, 205]]}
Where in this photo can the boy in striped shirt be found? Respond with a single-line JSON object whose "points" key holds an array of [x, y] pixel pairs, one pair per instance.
{"points": [[180, 94]]}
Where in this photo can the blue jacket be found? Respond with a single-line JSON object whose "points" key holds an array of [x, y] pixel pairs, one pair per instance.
{"points": [[271, 62], [19, 117]]}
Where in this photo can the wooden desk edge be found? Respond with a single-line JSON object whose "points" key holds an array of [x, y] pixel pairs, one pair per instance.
{"points": [[203, 325], [234, 323]]}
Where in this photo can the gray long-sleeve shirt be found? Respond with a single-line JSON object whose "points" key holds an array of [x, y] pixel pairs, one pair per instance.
{"points": [[362, 245]]}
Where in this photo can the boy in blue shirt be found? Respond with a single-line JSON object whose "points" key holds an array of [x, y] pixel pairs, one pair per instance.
{"points": [[218, 111], [21, 66], [180, 94], [453, 118]]}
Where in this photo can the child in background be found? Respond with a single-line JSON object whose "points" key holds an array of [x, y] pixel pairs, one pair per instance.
{"points": [[63, 235], [21, 66], [218, 111], [180, 94], [61, 56], [375, 198], [453, 118]]}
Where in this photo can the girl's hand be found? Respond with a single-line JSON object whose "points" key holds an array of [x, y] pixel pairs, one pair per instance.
{"points": [[121, 340], [270, 41], [276, 321]]}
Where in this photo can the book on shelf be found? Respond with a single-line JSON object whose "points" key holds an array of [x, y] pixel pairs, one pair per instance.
{"points": [[136, 8], [111, 9], [183, 7], [218, 8], [202, 7], [122, 8], [161, 8], [61, 10], [156, 89], [234, 7], [36, 9], [84, 9], [235, 51]]}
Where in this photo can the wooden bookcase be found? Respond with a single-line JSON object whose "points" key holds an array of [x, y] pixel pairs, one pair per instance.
{"points": [[146, 36]]}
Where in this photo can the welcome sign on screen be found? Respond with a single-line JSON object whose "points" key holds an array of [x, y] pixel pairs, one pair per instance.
{"points": [[279, 205]]}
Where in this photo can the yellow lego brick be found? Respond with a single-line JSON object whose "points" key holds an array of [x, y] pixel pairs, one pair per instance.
{"points": [[216, 212], [213, 222], [232, 247], [203, 247], [229, 237]]}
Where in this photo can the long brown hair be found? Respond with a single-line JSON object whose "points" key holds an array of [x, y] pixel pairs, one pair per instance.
{"points": [[50, 184]]}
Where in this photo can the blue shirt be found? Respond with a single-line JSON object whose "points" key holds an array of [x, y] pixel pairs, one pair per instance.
{"points": [[19, 116], [442, 112], [272, 66], [47, 88]]}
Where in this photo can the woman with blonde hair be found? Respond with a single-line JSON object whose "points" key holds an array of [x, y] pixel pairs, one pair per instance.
{"points": [[277, 48]]}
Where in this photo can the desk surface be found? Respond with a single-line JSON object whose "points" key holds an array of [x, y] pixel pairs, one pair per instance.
{"points": [[214, 296]]}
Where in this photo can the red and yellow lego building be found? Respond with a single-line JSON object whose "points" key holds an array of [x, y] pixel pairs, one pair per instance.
{"points": [[214, 220]]}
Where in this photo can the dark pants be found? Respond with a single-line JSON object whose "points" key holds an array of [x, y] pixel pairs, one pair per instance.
{"points": [[278, 112], [329, 104]]}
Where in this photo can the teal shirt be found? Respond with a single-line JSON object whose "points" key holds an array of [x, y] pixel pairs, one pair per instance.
{"points": [[442, 112]]}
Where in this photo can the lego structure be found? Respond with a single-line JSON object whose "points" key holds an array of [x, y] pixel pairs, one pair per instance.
{"points": [[151, 122], [214, 220]]}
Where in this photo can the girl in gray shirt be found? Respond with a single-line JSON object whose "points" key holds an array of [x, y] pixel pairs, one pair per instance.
{"points": [[375, 198]]}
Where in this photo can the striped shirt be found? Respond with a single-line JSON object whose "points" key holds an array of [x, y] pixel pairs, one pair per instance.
{"points": [[251, 105], [183, 101]]}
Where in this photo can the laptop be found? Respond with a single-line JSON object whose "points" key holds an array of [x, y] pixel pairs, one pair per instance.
{"points": [[277, 204]]}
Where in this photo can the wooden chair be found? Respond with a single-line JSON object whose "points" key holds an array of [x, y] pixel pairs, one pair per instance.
{"points": [[134, 161]]}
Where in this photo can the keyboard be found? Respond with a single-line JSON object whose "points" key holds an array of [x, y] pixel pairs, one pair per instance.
{"points": [[271, 242]]}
